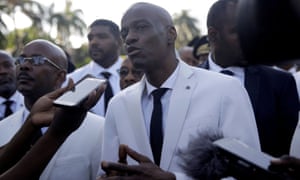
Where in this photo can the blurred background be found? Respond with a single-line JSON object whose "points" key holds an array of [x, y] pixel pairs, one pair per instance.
{"points": [[65, 22]]}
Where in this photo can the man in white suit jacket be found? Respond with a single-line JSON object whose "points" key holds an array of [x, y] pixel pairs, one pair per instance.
{"points": [[196, 100], [77, 158], [42, 69]]}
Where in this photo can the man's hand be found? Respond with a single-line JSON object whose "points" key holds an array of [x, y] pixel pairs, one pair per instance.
{"points": [[63, 120], [288, 165], [146, 169], [42, 112], [68, 119]]}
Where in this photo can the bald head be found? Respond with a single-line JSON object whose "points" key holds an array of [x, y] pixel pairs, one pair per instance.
{"points": [[49, 50], [37, 79], [161, 15], [6, 55], [149, 37]]}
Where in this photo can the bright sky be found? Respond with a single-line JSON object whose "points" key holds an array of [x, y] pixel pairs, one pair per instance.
{"points": [[114, 9]]}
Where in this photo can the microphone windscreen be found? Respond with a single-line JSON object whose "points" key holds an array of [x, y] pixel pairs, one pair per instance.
{"points": [[201, 158]]}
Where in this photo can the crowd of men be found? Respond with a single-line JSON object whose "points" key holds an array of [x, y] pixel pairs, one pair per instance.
{"points": [[150, 108]]}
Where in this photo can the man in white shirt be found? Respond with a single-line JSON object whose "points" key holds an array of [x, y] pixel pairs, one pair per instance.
{"points": [[104, 49], [273, 93], [192, 100], [10, 99], [41, 68]]}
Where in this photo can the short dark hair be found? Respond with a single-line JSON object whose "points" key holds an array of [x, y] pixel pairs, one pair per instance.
{"points": [[216, 14], [114, 28]]}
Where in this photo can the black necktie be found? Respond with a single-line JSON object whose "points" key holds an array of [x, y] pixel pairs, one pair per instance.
{"points": [[156, 133], [8, 110], [108, 91], [227, 72]]}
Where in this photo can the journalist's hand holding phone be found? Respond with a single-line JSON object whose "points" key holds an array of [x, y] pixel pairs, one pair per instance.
{"points": [[69, 115], [80, 93]]}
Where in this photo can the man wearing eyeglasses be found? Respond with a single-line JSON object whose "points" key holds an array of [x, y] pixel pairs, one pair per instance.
{"points": [[40, 69], [129, 74]]}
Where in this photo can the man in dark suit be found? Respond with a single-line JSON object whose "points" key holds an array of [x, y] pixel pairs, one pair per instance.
{"points": [[273, 93]]}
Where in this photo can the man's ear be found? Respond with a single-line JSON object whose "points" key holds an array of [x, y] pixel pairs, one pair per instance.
{"points": [[61, 77], [172, 34], [212, 34]]}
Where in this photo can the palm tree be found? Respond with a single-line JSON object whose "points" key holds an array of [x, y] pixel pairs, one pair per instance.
{"points": [[32, 9], [186, 28], [3, 28], [67, 22]]}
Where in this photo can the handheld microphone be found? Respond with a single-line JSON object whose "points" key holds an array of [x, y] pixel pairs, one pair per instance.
{"points": [[201, 159], [210, 156]]}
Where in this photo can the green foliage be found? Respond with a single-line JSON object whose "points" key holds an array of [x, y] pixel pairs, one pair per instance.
{"points": [[23, 37], [66, 23], [186, 28], [80, 56]]}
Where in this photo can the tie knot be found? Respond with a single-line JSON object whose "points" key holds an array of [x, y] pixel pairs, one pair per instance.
{"points": [[158, 93], [227, 72], [106, 74]]}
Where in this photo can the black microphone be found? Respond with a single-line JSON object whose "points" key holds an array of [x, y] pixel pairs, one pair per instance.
{"points": [[210, 156], [201, 158]]}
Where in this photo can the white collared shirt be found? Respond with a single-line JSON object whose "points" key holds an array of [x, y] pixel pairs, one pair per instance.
{"points": [[147, 100], [18, 102], [239, 72], [94, 69]]}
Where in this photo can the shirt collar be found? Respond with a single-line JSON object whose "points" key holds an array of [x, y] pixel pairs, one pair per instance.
{"points": [[216, 68], [169, 83], [96, 68], [16, 97]]}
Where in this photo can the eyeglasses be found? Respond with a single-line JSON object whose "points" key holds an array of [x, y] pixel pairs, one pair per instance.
{"points": [[124, 71], [35, 60]]}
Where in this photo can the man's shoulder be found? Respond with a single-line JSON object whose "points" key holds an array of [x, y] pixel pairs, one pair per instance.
{"points": [[92, 119], [13, 118], [267, 72], [214, 78], [10, 125], [269, 69], [80, 72]]}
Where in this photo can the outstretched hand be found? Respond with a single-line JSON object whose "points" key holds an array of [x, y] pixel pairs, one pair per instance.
{"points": [[68, 119], [146, 169], [288, 165], [42, 111], [62, 120]]}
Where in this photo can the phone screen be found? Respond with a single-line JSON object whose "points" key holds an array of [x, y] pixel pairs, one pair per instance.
{"points": [[79, 93]]}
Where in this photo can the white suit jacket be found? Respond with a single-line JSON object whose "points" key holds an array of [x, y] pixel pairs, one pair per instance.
{"points": [[200, 99], [295, 146], [78, 157]]}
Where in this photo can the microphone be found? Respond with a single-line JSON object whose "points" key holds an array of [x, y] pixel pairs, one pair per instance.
{"points": [[210, 156], [201, 158]]}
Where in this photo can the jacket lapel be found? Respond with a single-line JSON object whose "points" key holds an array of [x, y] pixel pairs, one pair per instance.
{"points": [[10, 125], [252, 82], [138, 131], [178, 107]]}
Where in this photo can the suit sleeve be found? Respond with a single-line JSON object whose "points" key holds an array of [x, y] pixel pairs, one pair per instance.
{"points": [[288, 112]]}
